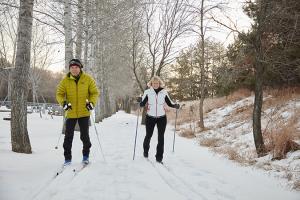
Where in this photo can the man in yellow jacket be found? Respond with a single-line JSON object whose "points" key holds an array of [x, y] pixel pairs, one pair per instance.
{"points": [[78, 94]]}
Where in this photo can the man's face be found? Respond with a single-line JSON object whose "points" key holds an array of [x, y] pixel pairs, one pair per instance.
{"points": [[75, 70]]}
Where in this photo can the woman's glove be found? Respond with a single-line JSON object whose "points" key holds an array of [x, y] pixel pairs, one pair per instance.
{"points": [[177, 106]]}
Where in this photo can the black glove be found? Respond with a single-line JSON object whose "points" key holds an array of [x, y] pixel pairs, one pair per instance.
{"points": [[89, 106], [67, 106], [138, 99], [177, 106]]}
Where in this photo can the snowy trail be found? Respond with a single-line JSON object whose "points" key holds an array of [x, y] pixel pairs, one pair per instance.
{"points": [[191, 173]]}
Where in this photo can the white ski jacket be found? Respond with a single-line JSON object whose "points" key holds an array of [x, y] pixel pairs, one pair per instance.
{"points": [[155, 102]]}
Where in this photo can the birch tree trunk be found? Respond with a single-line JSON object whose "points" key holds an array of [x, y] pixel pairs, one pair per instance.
{"points": [[99, 60], [79, 30], [9, 85], [87, 34], [19, 134], [68, 33]]}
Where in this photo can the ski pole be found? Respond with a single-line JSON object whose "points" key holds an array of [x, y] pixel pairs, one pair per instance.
{"points": [[56, 147], [97, 134], [136, 130], [175, 130]]}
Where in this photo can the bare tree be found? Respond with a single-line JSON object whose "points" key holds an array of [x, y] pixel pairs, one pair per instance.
{"points": [[19, 134], [154, 38], [174, 20], [87, 31], [201, 27], [8, 34], [136, 45], [79, 31], [261, 13], [40, 58], [68, 33]]}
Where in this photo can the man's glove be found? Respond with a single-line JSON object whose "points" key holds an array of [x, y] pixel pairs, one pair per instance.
{"points": [[89, 106], [67, 106], [177, 106], [138, 99]]}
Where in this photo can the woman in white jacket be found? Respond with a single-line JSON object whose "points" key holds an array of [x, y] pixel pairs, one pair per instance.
{"points": [[156, 98]]}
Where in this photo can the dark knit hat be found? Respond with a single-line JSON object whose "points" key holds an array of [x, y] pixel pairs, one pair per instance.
{"points": [[75, 61]]}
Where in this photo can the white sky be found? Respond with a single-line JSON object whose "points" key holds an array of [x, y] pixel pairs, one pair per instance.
{"points": [[235, 13]]}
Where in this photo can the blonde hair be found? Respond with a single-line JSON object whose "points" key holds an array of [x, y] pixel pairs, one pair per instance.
{"points": [[156, 78]]}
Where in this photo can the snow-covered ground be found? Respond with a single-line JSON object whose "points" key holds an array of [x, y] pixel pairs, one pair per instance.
{"points": [[192, 172], [4, 109], [229, 132]]}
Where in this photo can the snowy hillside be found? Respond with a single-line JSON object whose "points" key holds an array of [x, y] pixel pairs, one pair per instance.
{"points": [[192, 172], [229, 132]]}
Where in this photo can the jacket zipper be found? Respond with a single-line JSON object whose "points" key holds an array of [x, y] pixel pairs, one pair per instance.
{"points": [[156, 103], [77, 98]]}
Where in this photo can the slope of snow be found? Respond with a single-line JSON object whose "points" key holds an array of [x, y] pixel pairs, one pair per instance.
{"points": [[191, 172], [233, 132]]}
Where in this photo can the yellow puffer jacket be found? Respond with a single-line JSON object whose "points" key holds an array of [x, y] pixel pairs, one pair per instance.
{"points": [[77, 93]]}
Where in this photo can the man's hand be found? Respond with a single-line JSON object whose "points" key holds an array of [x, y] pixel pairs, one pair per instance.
{"points": [[89, 105], [67, 106]]}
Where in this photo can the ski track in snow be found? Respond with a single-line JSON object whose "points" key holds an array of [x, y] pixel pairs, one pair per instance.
{"points": [[191, 173]]}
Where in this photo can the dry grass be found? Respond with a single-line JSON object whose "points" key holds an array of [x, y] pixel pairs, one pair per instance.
{"points": [[190, 111], [240, 114], [281, 96], [188, 133], [243, 113], [296, 185], [210, 104], [280, 139], [239, 95], [211, 142], [187, 114], [279, 136], [288, 175], [233, 154], [287, 93]]}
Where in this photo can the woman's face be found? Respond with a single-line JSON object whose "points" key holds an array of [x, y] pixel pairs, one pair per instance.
{"points": [[155, 84]]}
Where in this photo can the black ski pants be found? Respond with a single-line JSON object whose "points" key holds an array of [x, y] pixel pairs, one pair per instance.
{"points": [[84, 136], [161, 123]]}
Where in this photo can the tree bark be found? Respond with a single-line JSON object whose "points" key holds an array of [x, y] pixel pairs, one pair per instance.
{"points": [[19, 134], [79, 30], [202, 70], [68, 33], [9, 85], [258, 139], [259, 71], [87, 34]]}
